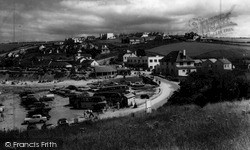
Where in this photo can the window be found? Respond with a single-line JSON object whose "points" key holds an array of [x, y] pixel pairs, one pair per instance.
{"points": [[183, 70], [188, 63], [155, 60], [138, 61], [134, 60], [150, 67], [181, 63], [150, 60]]}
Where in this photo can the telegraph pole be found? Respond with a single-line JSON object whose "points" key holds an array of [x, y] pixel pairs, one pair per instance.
{"points": [[14, 21]]}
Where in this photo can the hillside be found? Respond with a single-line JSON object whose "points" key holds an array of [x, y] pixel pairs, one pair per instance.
{"points": [[204, 49], [216, 126]]}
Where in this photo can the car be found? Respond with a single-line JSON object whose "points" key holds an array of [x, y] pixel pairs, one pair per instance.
{"points": [[35, 119], [63, 122], [137, 84], [48, 126]]}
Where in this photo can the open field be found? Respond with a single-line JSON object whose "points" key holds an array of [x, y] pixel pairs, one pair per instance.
{"points": [[206, 49]]}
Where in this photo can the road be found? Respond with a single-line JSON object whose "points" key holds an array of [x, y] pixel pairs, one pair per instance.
{"points": [[167, 88]]}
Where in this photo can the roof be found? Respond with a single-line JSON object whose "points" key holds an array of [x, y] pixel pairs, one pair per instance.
{"points": [[129, 55], [225, 61], [186, 67], [59, 64], [213, 60], [176, 56], [198, 61], [171, 57], [87, 62], [86, 55], [104, 69]]}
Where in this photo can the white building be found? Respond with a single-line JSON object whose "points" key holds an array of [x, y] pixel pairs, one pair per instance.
{"points": [[153, 61]]}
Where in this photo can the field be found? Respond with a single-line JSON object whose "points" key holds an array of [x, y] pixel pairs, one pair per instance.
{"points": [[8, 47], [195, 49], [216, 126], [235, 40]]}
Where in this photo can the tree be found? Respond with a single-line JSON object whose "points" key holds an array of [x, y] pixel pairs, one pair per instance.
{"points": [[141, 52]]}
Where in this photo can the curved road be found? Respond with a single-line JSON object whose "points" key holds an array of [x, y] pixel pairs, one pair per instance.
{"points": [[167, 88]]}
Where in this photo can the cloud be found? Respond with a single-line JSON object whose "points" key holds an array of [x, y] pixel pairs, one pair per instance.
{"points": [[57, 19]]}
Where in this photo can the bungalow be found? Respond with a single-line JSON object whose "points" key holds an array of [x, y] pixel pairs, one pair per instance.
{"points": [[223, 64], [104, 71]]}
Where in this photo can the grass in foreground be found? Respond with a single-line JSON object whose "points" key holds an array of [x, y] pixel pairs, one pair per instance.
{"points": [[216, 126]]}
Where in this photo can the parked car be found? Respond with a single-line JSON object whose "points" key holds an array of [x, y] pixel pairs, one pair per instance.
{"points": [[49, 97], [137, 84], [47, 126], [63, 122], [35, 119], [25, 93]]}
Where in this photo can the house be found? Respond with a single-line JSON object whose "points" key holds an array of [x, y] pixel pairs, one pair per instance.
{"points": [[105, 49], [90, 38], [153, 61], [132, 40], [208, 64], [177, 64], [128, 54], [89, 63], [107, 36], [198, 63], [223, 64], [104, 71], [141, 61]]}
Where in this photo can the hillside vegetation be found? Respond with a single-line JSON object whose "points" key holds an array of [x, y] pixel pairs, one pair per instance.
{"points": [[217, 126], [211, 49]]}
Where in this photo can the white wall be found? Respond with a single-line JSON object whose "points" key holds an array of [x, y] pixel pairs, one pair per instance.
{"points": [[153, 63]]}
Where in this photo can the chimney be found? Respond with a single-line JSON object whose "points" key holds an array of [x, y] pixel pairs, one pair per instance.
{"points": [[184, 52]]}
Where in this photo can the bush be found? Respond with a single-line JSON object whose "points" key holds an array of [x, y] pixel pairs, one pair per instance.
{"points": [[201, 88]]}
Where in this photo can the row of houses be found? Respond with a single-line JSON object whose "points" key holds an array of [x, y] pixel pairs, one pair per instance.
{"points": [[179, 64], [131, 59]]}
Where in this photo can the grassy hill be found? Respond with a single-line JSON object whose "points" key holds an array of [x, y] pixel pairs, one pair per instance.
{"points": [[204, 49], [216, 126]]}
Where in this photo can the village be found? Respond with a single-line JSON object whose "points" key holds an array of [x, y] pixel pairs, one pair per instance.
{"points": [[79, 88]]}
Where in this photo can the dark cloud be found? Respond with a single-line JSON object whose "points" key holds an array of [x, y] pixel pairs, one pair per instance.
{"points": [[48, 19]]}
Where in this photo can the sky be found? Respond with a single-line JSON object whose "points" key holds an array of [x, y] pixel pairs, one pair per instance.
{"points": [[46, 20]]}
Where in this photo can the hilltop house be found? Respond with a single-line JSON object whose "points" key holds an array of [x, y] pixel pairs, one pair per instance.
{"points": [[177, 64], [107, 36]]}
